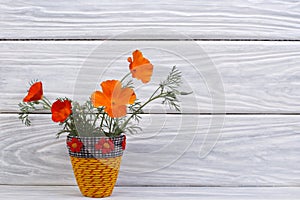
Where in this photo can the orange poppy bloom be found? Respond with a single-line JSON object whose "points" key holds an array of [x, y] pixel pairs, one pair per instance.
{"points": [[61, 110], [140, 67], [35, 92], [114, 98]]}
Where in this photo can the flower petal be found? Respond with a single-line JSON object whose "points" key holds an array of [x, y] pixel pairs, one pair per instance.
{"points": [[124, 143], [132, 98], [105, 145], [75, 145], [114, 98], [126, 96], [138, 59], [140, 67], [119, 111], [143, 72], [116, 111], [35, 92], [110, 86], [99, 99], [61, 110]]}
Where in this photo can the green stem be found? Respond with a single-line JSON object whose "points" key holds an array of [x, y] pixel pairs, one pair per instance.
{"points": [[68, 125], [140, 108], [155, 92], [60, 132], [125, 77], [106, 122], [96, 119], [46, 102], [102, 120], [110, 125], [72, 126], [49, 103]]}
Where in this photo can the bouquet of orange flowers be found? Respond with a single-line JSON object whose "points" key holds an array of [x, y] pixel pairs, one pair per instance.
{"points": [[96, 129], [109, 112]]}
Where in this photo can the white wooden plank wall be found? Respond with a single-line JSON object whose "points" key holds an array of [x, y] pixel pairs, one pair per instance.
{"points": [[86, 19], [252, 151], [258, 77], [254, 46]]}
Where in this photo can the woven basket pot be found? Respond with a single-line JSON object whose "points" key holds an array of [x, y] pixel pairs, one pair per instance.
{"points": [[96, 163]]}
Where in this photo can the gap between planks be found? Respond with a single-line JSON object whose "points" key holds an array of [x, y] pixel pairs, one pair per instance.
{"points": [[158, 186], [161, 39], [170, 113]]}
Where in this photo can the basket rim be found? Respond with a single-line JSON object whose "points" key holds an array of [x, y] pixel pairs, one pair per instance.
{"points": [[91, 147], [97, 137]]}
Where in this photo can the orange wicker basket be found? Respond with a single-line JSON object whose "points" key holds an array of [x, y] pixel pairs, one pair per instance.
{"points": [[96, 172], [96, 177]]}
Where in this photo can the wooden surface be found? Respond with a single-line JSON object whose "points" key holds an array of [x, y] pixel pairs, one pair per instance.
{"points": [[258, 77], [248, 50], [240, 19], [149, 193], [253, 150]]}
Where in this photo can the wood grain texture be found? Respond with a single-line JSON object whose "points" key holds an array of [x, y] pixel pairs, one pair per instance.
{"points": [[251, 151], [149, 193], [258, 77], [241, 19]]}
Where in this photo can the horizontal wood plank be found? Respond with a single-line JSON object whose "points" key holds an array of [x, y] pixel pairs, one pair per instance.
{"points": [[257, 77], [252, 150], [165, 193], [242, 19]]}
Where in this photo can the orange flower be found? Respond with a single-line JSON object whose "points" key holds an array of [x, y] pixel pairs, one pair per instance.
{"points": [[140, 67], [35, 92], [61, 110], [114, 98]]}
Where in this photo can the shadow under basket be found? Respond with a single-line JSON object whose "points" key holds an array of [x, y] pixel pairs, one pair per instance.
{"points": [[96, 170]]}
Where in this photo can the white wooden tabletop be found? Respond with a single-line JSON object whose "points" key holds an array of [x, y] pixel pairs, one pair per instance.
{"points": [[149, 193], [254, 47]]}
